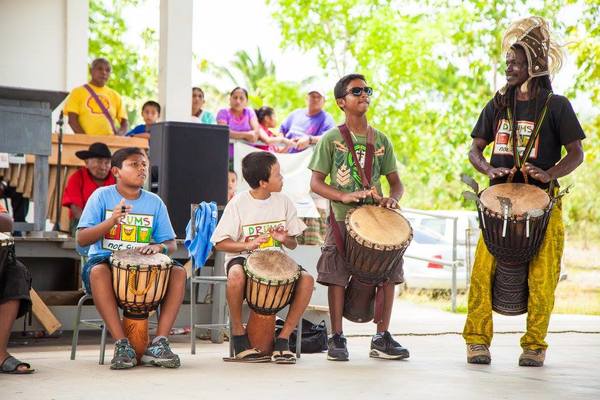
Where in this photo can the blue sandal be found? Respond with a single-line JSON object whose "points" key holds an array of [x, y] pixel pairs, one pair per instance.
{"points": [[11, 366]]}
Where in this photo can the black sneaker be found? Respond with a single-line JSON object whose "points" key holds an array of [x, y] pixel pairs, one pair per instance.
{"points": [[124, 356], [336, 348], [384, 346]]}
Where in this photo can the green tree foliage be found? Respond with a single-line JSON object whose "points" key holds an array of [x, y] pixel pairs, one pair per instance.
{"points": [[258, 76], [434, 66], [134, 69]]}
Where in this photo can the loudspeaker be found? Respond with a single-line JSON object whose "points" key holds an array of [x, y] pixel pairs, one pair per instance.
{"points": [[191, 160]]}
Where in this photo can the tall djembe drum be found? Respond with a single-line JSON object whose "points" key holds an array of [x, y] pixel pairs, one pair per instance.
{"points": [[140, 283], [513, 218]]}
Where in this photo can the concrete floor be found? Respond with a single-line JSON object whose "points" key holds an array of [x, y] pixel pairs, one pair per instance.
{"points": [[436, 368]]}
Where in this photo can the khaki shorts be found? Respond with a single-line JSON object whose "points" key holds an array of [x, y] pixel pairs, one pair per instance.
{"points": [[332, 269]]}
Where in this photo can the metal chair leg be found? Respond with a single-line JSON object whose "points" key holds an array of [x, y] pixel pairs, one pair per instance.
{"points": [[192, 316], [76, 324], [299, 337], [102, 344]]}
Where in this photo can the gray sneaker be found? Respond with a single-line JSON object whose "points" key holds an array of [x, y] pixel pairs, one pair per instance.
{"points": [[159, 354], [384, 346], [336, 348], [124, 356]]}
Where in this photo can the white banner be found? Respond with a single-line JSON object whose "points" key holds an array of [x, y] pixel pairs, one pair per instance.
{"points": [[296, 176]]}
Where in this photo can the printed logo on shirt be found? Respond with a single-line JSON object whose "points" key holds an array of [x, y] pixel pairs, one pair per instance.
{"points": [[93, 106], [133, 231], [252, 231], [503, 141]]}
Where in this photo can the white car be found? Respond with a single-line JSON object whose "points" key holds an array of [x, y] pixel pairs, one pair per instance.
{"points": [[426, 274]]}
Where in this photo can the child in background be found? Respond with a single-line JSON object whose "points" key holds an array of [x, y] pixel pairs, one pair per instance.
{"points": [[151, 115], [231, 184], [274, 142]]}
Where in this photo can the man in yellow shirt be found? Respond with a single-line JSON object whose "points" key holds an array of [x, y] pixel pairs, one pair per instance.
{"points": [[94, 108]]}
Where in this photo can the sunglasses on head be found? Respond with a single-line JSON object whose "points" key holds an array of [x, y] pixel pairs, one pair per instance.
{"points": [[357, 91]]}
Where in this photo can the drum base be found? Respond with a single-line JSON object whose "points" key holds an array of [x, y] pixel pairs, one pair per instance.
{"points": [[261, 331], [359, 301], [510, 290], [136, 331]]}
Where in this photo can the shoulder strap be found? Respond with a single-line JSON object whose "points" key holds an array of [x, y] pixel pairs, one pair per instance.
{"points": [[520, 160], [366, 173], [102, 107]]}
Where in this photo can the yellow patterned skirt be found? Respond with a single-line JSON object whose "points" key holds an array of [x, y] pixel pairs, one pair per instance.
{"points": [[544, 272]]}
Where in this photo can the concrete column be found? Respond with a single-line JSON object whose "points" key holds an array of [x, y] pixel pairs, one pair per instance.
{"points": [[76, 43], [175, 59]]}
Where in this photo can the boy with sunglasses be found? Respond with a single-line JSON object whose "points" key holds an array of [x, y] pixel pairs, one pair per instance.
{"points": [[333, 157]]}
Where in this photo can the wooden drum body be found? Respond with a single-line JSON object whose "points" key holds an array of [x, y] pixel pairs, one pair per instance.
{"points": [[271, 278], [140, 283], [376, 239], [513, 218]]}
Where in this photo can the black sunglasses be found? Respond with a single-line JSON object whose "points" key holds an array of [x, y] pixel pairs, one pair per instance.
{"points": [[357, 91]]}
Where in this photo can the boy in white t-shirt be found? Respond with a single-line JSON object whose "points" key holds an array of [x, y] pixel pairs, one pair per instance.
{"points": [[260, 218]]}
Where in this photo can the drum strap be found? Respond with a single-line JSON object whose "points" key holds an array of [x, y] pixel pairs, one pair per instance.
{"points": [[520, 160], [365, 177], [102, 107]]}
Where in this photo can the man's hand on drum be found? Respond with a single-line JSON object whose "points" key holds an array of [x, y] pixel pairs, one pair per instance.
{"points": [[257, 241], [280, 234], [498, 172], [150, 249], [537, 173], [355, 197], [121, 210]]}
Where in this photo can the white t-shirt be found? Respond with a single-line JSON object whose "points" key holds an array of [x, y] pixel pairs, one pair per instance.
{"points": [[245, 218]]}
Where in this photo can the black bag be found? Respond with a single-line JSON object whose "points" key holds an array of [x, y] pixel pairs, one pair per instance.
{"points": [[314, 337]]}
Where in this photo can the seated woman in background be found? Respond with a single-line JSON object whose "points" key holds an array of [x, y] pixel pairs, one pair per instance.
{"points": [[274, 142], [198, 114], [239, 117]]}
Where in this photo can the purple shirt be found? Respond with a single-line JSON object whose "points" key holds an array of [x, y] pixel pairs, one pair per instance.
{"points": [[241, 123], [299, 124]]}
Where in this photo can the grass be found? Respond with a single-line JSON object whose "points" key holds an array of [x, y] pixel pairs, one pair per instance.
{"points": [[578, 294]]}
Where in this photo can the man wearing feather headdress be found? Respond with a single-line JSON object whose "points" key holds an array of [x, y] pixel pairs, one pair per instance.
{"points": [[509, 121]]}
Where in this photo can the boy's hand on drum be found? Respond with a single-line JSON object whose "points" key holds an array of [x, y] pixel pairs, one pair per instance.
{"points": [[388, 202], [498, 172], [150, 249], [280, 234], [355, 197], [537, 173], [257, 241], [120, 211]]}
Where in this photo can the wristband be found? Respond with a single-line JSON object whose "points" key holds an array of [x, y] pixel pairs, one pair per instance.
{"points": [[165, 249]]}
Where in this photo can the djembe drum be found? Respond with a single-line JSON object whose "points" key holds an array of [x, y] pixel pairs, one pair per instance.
{"points": [[140, 282], [271, 278], [513, 219], [376, 240]]}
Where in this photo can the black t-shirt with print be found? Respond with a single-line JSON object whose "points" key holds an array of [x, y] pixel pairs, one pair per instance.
{"points": [[559, 128]]}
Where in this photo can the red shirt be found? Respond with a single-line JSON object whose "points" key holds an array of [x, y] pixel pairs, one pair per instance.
{"points": [[80, 187]]}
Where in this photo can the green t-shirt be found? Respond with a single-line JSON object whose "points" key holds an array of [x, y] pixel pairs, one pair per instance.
{"points": [[331, 157]]}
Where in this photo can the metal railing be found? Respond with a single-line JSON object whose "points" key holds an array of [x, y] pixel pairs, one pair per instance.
{"points": [[455, 262]]}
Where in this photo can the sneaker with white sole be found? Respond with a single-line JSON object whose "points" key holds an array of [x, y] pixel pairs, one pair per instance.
{"points": [[384, 346], [124, 356], [159, 354]]}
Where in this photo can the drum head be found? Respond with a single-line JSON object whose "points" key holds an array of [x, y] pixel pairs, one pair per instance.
{"points": [[522, 196], [133, 257], [5, 239], [379, 225], [273, 265]]}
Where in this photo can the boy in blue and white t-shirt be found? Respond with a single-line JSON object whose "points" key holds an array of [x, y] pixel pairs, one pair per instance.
{"points": [[124, 216]]}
